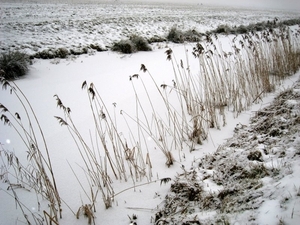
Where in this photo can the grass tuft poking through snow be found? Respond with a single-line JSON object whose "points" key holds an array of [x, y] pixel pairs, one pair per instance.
{"points": [[14, 65]]}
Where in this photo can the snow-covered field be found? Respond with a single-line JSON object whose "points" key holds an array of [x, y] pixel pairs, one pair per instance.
{"points": [[216, 171], [34, 27]]}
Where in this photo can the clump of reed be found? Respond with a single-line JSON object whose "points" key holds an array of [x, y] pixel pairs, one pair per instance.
{"points": [[226, 81], [233, 80], [159, 130], [38, 174], [114, 157]]}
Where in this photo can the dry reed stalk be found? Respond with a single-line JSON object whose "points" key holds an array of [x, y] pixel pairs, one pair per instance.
{"points": [[31, 137], [235, 79], [95, 169]]}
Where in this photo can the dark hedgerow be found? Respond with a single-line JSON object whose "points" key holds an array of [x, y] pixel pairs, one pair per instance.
{"points": [[14, 64]]}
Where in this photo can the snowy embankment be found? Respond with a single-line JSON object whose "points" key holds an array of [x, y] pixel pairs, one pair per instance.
{"points": [[253, 178]]}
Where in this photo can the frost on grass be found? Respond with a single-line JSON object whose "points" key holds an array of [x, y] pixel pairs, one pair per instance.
{"points": [[247, 171]]}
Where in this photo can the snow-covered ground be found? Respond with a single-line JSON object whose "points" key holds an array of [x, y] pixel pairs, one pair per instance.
{"points": [[273, 197], [34, 27]]}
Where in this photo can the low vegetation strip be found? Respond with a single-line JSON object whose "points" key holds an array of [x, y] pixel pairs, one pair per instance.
{"points": [[244, 171], [243, 29], [137, 42]]}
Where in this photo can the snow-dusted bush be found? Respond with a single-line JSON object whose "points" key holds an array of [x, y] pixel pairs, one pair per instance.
{"points": [[156, 39], [97, 47], [45, 54], [178, 36], [14, 64], [223, 29], [140, 43], [242, 29], [62, 53], [124, 46], [51, 53], [192, 36], [175, 35], [134, 44], [290, 22]]}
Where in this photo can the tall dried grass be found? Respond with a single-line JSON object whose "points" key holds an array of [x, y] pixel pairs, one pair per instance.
{"points": [[38, 174], [233, 80], [226, 81]]}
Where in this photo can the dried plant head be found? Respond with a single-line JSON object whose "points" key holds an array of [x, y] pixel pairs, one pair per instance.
{"points": [[198, 50], [3, 108], [136, 75], [143, 68], [5, 120], [102, 114], [68, 110], [163, 86], [84, 85], [165, 180], [5, 84], [92, 92], [17, 116], [169, 54], [181, 64], [58, 101], [61, 121]]}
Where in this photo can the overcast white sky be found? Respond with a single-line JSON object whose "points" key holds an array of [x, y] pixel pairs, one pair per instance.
{"points": [[270, 4]]}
